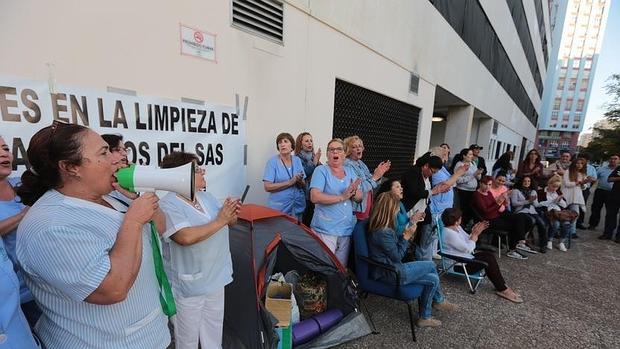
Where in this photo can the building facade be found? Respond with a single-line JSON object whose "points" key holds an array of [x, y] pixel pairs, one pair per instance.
{"points": [[579, 26], [381, 69]]}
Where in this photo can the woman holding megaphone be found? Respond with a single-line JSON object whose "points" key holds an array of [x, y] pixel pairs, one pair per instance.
{"points": [[197, 257], [87, 258]]}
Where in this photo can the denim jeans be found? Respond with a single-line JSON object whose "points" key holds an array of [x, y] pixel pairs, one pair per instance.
{"points": [[573, 224], [423, 273], [424, 249]]}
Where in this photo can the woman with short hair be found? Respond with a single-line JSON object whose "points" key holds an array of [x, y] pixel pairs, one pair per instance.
{"points": [[88, 259], [197, 257], [333, 189], [284, 179], [354, 148], [117, 149]]}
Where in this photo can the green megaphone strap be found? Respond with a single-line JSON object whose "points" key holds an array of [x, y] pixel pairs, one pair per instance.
{"points": [[124, 176]]}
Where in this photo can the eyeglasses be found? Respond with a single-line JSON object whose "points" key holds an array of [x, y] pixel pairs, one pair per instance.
{"points": [[335, 150]]}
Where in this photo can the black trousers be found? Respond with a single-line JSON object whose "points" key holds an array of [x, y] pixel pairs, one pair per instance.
{"points": [[611, 218], [492, 270], [517, 225], [582, 213], [601, 197], [465, 204]]}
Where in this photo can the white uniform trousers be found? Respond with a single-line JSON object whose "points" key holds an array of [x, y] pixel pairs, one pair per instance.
{"points": [[199, 318], [339, 245]]}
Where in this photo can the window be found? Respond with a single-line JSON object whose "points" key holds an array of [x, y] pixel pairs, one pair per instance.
{"points": [[573, 83], [495, 127], [556, 103], [553, 125], [561, 82], [584, 84], [261, 17], [554, 115], [576, 62], [498, 149], [569, 104], [580, 104]]}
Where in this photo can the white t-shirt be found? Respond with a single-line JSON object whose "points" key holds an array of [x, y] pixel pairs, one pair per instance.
{"points": [[201, 268]]}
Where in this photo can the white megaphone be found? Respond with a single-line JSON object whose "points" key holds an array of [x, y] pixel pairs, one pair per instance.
{"points": [[148, 179]]}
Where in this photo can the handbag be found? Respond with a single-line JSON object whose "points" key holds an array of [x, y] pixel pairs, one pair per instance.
{"points": [[563, 215]]}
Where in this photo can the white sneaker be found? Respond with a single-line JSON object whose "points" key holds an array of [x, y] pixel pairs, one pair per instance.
{"points": [[525, 248], [562, 248], [549, 245], [516, 255], [436, 256]]}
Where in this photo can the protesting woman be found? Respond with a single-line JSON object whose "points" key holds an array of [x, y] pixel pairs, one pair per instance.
{"points": [[304, 149], [284, 179], [333, 190], [388, 247], [197, 258], [87, 258]]}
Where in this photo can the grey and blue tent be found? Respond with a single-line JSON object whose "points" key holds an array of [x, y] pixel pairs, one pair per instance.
{"points": [[263, 242]]}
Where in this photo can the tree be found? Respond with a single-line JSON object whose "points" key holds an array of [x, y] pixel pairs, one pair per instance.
{"points": [[607, 141]]}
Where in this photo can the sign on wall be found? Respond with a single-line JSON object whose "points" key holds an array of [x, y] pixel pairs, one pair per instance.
{"points": [[198, 43], [152, 127]]}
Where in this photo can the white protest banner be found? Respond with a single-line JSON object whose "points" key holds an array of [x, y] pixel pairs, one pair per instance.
{"points": [[151, 127]]}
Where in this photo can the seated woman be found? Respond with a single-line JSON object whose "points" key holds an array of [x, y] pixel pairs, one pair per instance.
{"points": [[402, 218], [551, 201], [489, 209], [458, 243], [524, 200], [386, 246]]}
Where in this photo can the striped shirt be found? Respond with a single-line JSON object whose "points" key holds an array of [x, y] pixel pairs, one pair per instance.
{"points": [[63, 244]]}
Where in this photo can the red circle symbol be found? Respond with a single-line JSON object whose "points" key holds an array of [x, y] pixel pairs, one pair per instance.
{"points": [[198, 37]]}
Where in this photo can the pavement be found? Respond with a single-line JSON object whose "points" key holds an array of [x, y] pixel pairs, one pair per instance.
{"points": [[571, 300]]}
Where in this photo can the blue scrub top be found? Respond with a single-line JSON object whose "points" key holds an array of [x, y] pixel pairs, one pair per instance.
{"points": [[291, 200], [440, 202], [14, 330], [8, 209], [334, 219]]}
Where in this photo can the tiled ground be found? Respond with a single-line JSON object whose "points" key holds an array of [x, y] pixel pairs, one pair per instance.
{"points": [[572, 300]]}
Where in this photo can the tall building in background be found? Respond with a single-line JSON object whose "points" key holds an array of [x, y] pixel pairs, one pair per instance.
{"points": [[577, 33]]}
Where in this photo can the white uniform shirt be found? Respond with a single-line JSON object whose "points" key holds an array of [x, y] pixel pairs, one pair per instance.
{"points": [[63, 244], [201, 268]]}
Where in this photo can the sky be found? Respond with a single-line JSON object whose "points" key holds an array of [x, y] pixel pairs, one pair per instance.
{"points": [[608, 64]]}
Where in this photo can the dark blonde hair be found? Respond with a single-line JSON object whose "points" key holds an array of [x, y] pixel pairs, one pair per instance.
{"points": [[298, 145], [573, 172], [384, 211], [348, 143]]}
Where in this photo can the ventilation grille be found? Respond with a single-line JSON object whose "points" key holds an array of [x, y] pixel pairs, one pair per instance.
{"points": [[388, 127], [414, 83], [262, 17]]}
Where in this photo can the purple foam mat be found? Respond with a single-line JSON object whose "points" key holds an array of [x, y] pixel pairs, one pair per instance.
{"points": [[328, 319], [305, 331]]}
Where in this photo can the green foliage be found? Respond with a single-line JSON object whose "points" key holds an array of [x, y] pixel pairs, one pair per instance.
{"points": [[608, 140]]}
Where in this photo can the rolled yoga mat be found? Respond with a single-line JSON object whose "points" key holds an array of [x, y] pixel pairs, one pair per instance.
{"points": [[312, 327]]}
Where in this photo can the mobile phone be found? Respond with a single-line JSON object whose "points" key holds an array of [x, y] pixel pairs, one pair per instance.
{"points": [[245, 193]]}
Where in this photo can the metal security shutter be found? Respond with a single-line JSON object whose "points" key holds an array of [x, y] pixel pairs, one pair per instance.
{"points": [[388, 127], [261, 17]]}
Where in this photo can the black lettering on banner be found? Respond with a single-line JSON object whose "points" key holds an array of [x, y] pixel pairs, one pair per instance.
{"points": [[212, 127], [174, 117], [161, 117], [132, 154], [139, 125], [57, 108], [102, 121], [119, 115], [143, 149], [235, 124], [226, 124], [20, 157], [79, 110], [203, 116], [219, 152], [183, 118], [6, 103], [199, 152], [161, 147], [177, 147], [28, 99], [191, 120]]}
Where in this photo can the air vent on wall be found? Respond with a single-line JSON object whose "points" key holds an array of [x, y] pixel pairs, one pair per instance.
{"points": [[261, 17], [414, 82]]}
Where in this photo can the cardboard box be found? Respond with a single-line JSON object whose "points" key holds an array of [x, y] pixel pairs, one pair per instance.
{"points": [[278, 302]]}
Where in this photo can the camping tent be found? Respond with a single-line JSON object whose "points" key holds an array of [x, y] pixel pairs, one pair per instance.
{"points": [[266, 241]]}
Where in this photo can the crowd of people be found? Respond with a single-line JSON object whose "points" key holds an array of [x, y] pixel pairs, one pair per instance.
{"points": [[84, 261]]}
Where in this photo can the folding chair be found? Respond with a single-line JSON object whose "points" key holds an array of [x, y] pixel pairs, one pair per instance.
{"points": [[449, 261], [493, 232]]}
